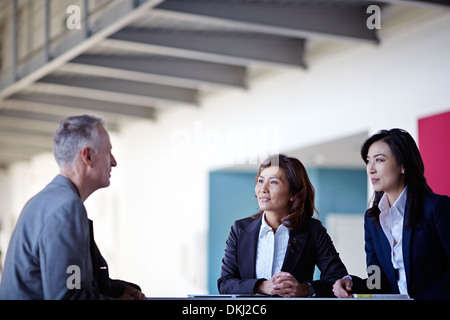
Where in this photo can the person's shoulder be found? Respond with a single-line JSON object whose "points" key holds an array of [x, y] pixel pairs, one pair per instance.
{"points": [[434, 202], [61, 184], [433, 198], [242, 225], [55, 199], [312, 223], [248, 224], [244, 222], [60, 197], [370, 218]]}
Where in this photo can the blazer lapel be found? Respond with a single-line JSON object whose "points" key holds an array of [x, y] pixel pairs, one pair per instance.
{"points": [[406, 246], [297, 240], [248, 244], [382, 246]]}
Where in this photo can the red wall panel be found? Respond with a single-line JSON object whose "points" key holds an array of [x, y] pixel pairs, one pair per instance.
{"points": [[434, 145]]}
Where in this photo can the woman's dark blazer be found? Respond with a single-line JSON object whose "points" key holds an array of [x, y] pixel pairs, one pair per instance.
{"points": [[309, 245], [426, 251]]}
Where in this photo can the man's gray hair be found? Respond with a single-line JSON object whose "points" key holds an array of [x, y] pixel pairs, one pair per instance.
{"points": [[73, 134]]}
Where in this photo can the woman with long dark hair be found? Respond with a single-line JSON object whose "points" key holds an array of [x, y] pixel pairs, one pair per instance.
{"points": [[275, 251], [407, 228]]}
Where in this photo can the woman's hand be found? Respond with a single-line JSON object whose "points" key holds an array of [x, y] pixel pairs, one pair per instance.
{"points": [[132, 293], [342, 288], [284, 285]]}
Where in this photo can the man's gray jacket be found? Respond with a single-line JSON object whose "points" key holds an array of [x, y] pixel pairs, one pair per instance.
{"points": [[52, 253]]}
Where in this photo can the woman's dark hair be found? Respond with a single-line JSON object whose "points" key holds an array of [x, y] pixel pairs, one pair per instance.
{"points": [[406, 154], [301, 190]]}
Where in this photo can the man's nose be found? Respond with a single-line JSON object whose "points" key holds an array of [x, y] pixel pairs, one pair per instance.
{"points": [[113, 161]]}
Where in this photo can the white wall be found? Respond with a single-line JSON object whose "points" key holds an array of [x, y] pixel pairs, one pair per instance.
{"points": [[347, 233], [151, 224]]}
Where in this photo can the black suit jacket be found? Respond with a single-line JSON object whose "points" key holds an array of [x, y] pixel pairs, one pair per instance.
{"points": [[309, 245]]}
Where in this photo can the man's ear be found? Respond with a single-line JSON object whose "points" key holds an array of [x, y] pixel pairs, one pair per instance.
{"points": [[86, 156]]}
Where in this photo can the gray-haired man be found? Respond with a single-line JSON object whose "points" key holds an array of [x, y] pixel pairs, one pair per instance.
{"points": [[52, 253]]}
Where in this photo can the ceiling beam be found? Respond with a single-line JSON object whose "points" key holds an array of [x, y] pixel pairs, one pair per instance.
{"points": [[7, 158], [225, 47], [33, 115], [22, 152], [42, 126], [303, 19], [68, 106], [116, 16], [159, 69], [34, 122], [26, 140], [116, 90], [418, 3]]}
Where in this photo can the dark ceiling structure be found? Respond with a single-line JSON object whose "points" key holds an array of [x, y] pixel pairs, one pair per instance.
{"points": [[132, 59]]}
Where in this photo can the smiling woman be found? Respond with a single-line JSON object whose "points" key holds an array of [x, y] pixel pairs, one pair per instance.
{"points": [[283, 188], [272, 191], [275, 251]]}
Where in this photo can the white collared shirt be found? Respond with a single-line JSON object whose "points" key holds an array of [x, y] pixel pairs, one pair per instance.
{"points": [[391, 220], [271, 249]]}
